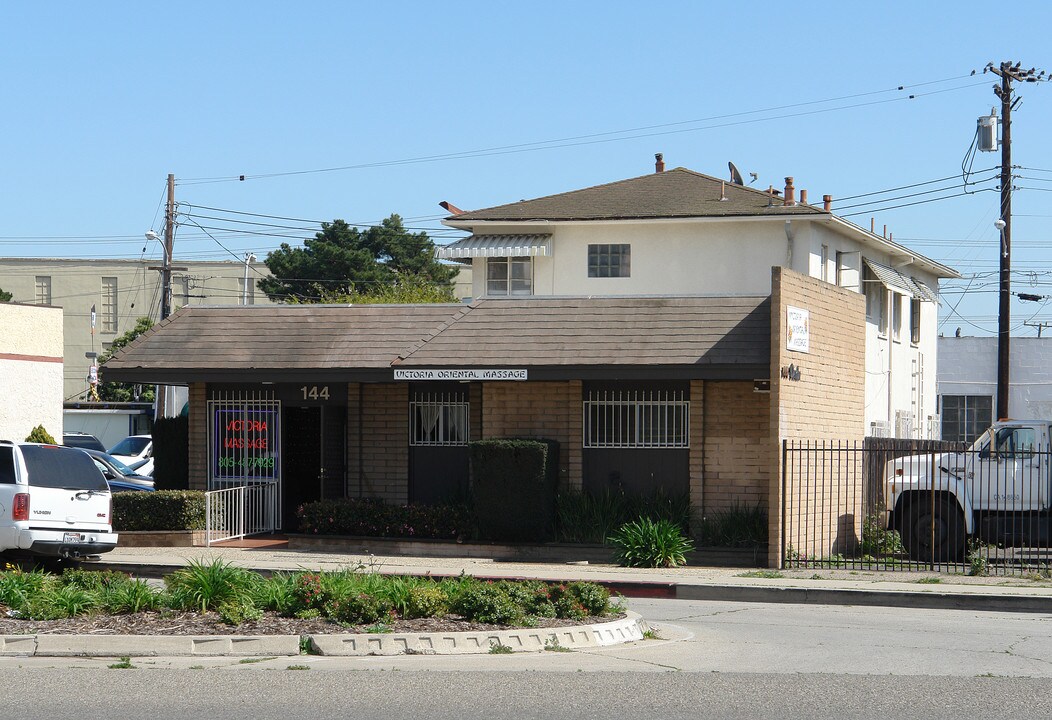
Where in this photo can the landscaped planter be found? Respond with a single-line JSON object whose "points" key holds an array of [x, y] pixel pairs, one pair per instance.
{"points": [[161, 538]]}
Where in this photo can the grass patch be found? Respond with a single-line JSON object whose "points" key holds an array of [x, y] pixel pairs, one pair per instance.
{"points": [[499, 648], [298, 667], [123, 664], [928, 581], [252, 660], [651, 635], [552, 644], [765, 574]]}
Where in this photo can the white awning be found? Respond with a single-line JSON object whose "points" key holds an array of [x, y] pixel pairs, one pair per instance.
{"points": [[497, 246], [901, 283]]}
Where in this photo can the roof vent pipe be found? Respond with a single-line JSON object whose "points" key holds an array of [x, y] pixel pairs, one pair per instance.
{"points": [[790, 193], [827, 202], [659, 163]]}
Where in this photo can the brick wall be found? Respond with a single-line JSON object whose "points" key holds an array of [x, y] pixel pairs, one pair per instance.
{"points": [[385, 442], [538, 409], [826, 403], [737, 446], [197, 432], [696, 463]]}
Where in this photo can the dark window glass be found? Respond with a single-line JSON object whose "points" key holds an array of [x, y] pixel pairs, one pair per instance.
{"points": [[609, 260], [58, 467], [7, 465], [966, 417]]}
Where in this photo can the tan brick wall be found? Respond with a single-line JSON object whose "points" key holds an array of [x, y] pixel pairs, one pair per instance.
{"points": [[197, 432], [538, 409], [826, 404], [696, 463], [385, 442], [737, 446], [353, 443]]}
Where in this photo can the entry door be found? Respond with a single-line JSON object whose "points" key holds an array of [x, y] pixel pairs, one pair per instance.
{"points": [[314, 463], [438, 443]]}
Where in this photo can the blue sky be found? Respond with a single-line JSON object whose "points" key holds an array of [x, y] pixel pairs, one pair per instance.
{"points": [[102, 101]]}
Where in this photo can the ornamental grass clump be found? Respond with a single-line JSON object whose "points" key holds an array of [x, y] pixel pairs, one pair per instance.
{"points": [[206, 586], [646, 543]]}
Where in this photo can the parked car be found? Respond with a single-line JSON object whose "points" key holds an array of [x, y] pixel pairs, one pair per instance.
{"points": [[133, 448], [56, 502], [143, 467], [117, 472], [82, 440], [117, 486]]}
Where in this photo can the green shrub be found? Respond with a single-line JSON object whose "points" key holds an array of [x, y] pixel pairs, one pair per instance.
{"points": [[426, 601], [237, 612], [374, 518], [206, 586], [130, 596], [513, 484], [171, 443], [161, 510], [488, 603], [646, 543], [358, 609], [40, 435], [737, 526], [592, 517], [877, 539]]}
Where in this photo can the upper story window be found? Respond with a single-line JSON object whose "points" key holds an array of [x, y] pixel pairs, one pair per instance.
{"points": [[896, 317], [609, 260], [509, 276], [876, 301], [915, 317], [108, 314], [43, 289]]}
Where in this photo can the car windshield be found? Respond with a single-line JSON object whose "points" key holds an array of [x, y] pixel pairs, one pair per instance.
{"points": [[118, 465], [130, 446]]}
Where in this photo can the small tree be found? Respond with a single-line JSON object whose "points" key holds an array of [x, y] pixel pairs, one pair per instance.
{"points": [[40, 435], [5, 296], [125, 392]]}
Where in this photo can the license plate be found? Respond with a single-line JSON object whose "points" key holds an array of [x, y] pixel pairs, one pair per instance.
{"points": [[72, 537]]}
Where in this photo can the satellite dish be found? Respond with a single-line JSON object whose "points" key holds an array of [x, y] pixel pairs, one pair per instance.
{"points": [[736, 177]]}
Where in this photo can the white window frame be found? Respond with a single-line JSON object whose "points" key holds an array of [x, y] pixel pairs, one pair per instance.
{"points": [[509, 264], [896, 316], [915, 321], [636, 419], [876, 301], [42, 289], [108, 307]]}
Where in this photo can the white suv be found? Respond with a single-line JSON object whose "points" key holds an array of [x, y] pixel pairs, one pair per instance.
{"points": [[53, 501]]}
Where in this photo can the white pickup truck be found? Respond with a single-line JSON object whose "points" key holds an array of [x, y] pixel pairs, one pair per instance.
{"points": [[997, 491]]}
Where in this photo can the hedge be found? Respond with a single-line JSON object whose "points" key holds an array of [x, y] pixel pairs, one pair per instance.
{"points": [[160, 510], [513, 483], [374, 518]]}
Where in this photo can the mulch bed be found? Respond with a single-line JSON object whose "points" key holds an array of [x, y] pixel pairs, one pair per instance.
{"points": [[188, 623]]}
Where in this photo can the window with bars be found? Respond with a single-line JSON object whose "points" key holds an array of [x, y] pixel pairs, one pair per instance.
{"points": [[108, 314], [43, 289], [636, 419], [965, 417], [509, 276], [609, 260], [438, 419]]}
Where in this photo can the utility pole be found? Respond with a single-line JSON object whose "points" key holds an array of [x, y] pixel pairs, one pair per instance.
{"points": [[1008, 72], [169, 241]]}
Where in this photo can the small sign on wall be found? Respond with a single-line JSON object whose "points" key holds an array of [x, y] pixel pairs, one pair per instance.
{"points": [[797, 329]]}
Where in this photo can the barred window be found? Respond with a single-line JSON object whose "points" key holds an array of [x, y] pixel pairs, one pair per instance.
{"points": [[438, 419], [636, 419], [609, 260], [108, 316], [965, 417]]}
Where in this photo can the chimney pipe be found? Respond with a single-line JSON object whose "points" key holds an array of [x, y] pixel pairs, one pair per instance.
{"points": [[803, 197], [790, 193], [873, 225], [827, 202], [453, 209], [659, 163]]}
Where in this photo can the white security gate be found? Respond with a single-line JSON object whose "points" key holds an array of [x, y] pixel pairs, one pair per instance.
{"points": [[244, 464]]}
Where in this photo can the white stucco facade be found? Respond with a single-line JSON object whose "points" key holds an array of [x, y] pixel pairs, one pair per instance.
{"points": [[30, 370], [968, 367], [734, 256]]}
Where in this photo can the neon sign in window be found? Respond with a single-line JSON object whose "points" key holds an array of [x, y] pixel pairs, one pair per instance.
{"points": [[246, 443]]}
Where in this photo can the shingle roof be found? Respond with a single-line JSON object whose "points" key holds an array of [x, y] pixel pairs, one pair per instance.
{"points": [[617, 331], [678, 193], [250, 344], [281, 336]]}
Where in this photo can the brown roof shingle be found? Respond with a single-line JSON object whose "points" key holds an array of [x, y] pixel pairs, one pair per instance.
{"points": [[678, 193]]}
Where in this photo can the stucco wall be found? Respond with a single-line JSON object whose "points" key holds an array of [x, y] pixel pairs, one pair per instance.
{"points": [[30, 370], [968, 366]]}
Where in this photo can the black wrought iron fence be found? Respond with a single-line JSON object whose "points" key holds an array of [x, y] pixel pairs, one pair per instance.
{"points": [[890, 505]]}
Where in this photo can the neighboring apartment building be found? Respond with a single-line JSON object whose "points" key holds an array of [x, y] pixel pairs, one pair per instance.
{"points": [[121, 291], [967, 383], [30, 370], [684, 233]]}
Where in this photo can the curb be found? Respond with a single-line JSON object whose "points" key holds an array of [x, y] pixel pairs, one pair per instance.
{"points": [[574, 637]]}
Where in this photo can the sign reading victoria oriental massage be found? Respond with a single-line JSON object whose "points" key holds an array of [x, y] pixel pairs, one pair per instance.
{"points": [[459, 374], [246, 442]]}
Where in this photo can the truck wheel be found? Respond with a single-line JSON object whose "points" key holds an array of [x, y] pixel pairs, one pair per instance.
{"points": [[934, 532]]}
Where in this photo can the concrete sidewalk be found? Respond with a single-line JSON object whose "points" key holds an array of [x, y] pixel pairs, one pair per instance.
{"points": [[806, 586]]}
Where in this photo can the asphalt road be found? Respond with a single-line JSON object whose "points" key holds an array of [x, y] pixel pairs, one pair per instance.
{"points": [[716, 660]]}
